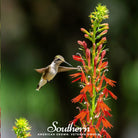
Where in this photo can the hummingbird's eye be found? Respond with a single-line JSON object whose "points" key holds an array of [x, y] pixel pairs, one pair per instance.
{"points": [[58, 59]]}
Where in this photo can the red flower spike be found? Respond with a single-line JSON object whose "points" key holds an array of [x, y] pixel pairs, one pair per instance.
{"points": [[92, 77]]}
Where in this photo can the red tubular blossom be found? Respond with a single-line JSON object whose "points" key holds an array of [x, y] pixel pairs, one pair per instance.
{"points": [[104, 32], [109, 81], [106, 91], [80, 98], [82, 115], [79, 58], [87, 88], [101, 106], [82, 77], [106, 123], [98, 88], [83, 43], [91, 133], [99, 122], [104, 133]]}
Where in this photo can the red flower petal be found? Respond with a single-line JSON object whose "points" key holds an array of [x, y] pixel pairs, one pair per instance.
{"points": [[109, 81], [80, 97], [77, 58], [104, 133], [106, 91], [106, 123]]}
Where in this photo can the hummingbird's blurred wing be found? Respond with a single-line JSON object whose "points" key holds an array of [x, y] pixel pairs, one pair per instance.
{"points": [[64, 69], [42, 70]]}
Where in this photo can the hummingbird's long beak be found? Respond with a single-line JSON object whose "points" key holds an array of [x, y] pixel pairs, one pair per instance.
{"points": [[67, 63]]}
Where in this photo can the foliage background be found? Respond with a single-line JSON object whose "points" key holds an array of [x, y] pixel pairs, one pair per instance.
{"points": [[33, 32]]}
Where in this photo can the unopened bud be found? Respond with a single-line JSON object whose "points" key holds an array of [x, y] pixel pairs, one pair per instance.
{"points": [[104, 32], [92, 26], [106, 16], [91, 33], [95, 61], [80, 42], [86, 36], [99, 48], [103, 54], [84, 31], [92, 21]]}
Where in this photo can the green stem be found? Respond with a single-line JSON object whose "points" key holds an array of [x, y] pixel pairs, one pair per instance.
{"points": [[93, 79]]}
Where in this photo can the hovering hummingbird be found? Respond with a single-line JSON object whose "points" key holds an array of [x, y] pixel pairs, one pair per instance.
{"points": [[49, 72]]}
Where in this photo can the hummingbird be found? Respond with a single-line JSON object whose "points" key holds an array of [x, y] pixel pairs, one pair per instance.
{"points": [[49, 72]]}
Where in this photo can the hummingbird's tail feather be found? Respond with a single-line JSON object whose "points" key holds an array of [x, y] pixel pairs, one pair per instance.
{"points": [[42, 82]]}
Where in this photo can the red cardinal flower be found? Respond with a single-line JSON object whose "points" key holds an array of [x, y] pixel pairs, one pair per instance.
{"points": [[91, 133], [94, 111], [106, 91], [109, 81], [104, 134], [80, 98]]}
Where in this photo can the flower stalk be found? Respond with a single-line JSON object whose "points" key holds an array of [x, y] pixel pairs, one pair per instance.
{"points": [[93, 78], [21, 128]]}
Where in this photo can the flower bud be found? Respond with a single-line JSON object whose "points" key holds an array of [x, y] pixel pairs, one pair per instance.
{"points": [[84, 31], [86, 36], [103, 54], [80, 42], [99, 48], [95, 61], [101, 41], [104, 32]]}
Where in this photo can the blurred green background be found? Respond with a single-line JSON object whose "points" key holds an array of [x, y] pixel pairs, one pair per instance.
{"points": [[33, 32]]}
